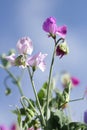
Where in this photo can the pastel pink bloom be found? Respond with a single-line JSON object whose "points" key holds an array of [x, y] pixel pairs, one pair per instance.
{"points": [[49, 25], [75, 81], [24, 45], [11, 58], [37, 61], [61, 31], [3, 127]]}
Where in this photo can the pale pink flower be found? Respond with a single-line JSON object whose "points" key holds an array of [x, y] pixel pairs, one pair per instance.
{"points": [[24, 45], [37, 61], [11, 58]]}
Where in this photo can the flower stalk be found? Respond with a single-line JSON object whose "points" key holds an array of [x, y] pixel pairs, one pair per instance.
{"points": [[35, 93], [16, 81]]}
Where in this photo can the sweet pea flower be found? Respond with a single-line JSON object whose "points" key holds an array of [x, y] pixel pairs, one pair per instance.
{"points": [[85, 117], [62, 49], [61, 31], [3, 127], [50, 25], [75, 81], [37, 61], [24, 45], [66, 78], [14, 127], [11, 58]]}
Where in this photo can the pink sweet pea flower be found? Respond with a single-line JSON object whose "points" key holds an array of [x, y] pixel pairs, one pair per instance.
{"points": [[24, 46], [14, 127], [11, 58], [37, 61], [3, 127], [61, 31], [50, 25], [66, 78], [75, 81]]}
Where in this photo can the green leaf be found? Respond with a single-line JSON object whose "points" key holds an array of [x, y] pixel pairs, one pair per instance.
{"points": [[63, 98], [57, 120], [75, 126], [5, 62], [43, 93]]}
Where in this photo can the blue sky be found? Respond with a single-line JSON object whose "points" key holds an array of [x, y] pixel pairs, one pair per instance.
{"points": [[24, 18]]}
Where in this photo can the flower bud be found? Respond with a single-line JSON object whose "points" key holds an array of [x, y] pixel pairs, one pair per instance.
{"points": [[20, 60], [62, 49]]}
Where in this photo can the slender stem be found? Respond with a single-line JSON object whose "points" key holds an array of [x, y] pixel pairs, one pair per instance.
{"points": [[16, 81], [35, 93], [77, 99], [50, 74], [49, 80], [23, 99]]}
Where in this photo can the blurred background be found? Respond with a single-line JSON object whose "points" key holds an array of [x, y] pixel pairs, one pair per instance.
{"points": [[21, 18]]}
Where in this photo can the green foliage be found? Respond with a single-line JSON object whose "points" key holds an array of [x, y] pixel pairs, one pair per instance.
{"points": [[75, 126], [57, 120]]}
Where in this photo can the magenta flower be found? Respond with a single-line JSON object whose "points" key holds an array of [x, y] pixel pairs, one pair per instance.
{"points": [[37, 61], [13, 127], [11, 58], [66, 78], [75, 81], [50, 25], [3, 127], [85, 117], [24, 45], [61, 31]]}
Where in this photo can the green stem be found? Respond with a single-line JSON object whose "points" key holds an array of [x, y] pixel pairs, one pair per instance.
{"points": [[35, 93], [49, 80], [16, 81], [50, 74], [24, 99], [77, 99]]}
